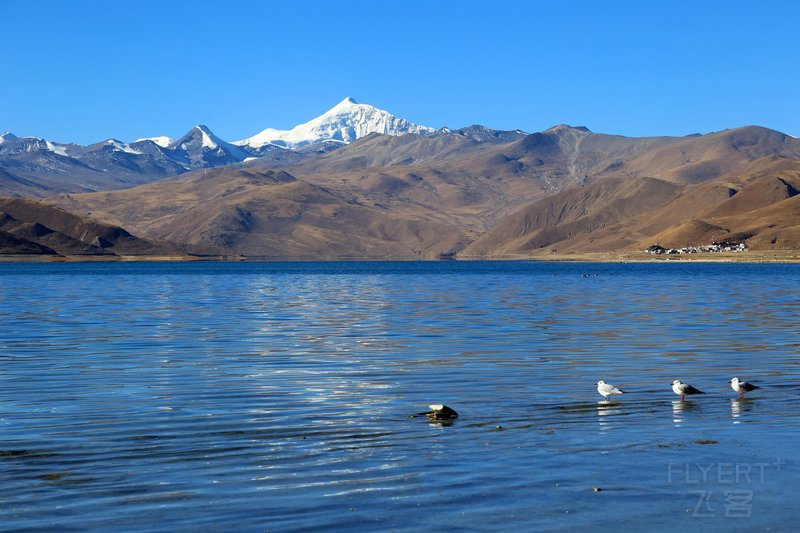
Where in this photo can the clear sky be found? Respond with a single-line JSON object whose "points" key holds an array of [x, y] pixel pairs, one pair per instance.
{"points": [[88, 70]]}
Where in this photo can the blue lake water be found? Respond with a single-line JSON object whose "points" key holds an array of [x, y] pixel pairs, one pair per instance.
{"points": [[278, 396]]}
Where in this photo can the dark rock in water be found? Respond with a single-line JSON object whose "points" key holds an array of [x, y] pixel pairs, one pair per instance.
{"points": [[441, 412], [706, 441], [12, 453]]}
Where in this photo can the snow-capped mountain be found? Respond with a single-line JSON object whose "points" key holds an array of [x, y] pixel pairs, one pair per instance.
{"points": [[344, 123], [58, 167], [200, 147], [7, 136], [10, 144]]}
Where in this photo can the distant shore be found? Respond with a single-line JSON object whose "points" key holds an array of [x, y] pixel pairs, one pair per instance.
{"points": [[25, 258], [768, 256]]}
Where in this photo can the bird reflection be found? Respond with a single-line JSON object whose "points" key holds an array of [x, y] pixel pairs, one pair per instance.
{"points": [[739, 406], [679, 410], [605, 410], [440, 423]]}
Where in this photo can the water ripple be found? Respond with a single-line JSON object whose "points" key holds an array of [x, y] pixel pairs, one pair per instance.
{"points": [[280, 396]]}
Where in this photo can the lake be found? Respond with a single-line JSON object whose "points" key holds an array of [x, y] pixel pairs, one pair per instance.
{"points": [[280, 396]]}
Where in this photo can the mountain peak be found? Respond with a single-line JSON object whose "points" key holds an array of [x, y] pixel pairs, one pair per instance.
{"points": [[202, 148], [348, 105], [567, 127], [7, 136], [201, 135], [343, 123]]}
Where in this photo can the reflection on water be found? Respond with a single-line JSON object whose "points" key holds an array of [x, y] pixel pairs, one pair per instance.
{"points": [[680, 408], [279, 396], [740, 406], [606, 411]]}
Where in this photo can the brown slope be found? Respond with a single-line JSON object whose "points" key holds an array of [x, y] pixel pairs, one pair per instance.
{"points": [[13, 184], [756, 193], [698, 159], [588, 218], [377, 150], [715, 176], [44, 236], [775, 226], [457, 179], [69, 234], [632, 213], [705, 212], [269, 214], [13, 245], [686, 233], [457, 188]]}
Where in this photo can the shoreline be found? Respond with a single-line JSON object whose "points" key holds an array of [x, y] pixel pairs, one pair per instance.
{"points": [[772, 256]]}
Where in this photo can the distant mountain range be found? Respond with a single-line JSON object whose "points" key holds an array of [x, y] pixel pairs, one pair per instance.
{"points": [[358, 183], [38, 167]]}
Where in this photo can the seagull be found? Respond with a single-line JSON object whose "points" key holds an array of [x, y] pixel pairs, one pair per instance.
{"points": [[742, 386], [607, 390], [440, 412], [683, 389]]}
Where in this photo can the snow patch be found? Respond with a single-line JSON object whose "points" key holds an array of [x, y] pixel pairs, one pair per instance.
{"points": [[163, 141], [208, 139], [58, 149], [123, 147]]}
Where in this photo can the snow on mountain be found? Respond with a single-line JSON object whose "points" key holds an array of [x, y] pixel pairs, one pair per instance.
{"points": [[153, 157], [483, 134], [122, 147], [199, 135], [344, 123], [200, 147], [163, 141], [57, 148]]}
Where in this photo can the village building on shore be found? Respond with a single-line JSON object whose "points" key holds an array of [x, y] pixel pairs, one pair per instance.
{"points": [[721, 246]]}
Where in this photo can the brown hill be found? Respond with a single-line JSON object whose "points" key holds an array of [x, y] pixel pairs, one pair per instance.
{"points": [[587, 218], [34, 227], [630, 214], [458, 179], [698, 159], [564, 189], [12, 245], [764, 213], [270, 214]]}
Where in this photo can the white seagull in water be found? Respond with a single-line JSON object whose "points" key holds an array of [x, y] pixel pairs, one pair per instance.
{"points": [[742, 386], [440, 412], [607, 390], [684, 389]]}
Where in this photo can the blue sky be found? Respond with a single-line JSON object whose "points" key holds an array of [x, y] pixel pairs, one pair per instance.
{"points": [[85, 71]]}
